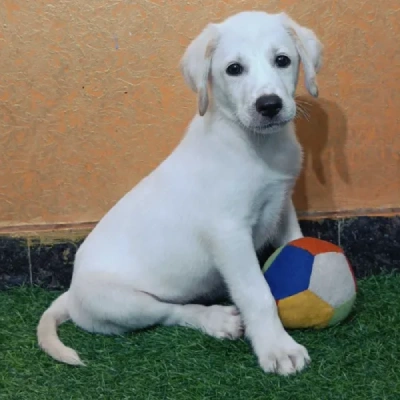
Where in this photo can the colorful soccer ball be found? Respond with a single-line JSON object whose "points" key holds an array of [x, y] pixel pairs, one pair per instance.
{"points": [[312, 282]]}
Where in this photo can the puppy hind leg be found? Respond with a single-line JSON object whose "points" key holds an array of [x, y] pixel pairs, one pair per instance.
{"points": [[222, 322], [138, 310]]}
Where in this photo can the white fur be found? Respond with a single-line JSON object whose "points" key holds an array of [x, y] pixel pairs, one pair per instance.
{"points": [[189, 231]]}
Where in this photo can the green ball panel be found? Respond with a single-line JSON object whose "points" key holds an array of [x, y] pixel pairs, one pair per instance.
{"points": [[342, 311], [271, 259]]}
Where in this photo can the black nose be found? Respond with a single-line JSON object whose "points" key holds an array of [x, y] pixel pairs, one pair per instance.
{"points": [[269, 105]]}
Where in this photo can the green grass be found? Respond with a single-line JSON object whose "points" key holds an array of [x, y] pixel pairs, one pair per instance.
{"points": [[358, 360]]}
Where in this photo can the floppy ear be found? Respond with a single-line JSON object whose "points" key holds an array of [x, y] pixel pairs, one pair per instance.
{"points": [[196, 64], [310, 51]]}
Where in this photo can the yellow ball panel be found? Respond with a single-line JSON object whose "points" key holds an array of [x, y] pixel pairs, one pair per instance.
{"points": [[304, 310]]}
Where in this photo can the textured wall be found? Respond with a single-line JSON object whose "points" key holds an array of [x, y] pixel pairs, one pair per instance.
{"points": [[91, 100]]}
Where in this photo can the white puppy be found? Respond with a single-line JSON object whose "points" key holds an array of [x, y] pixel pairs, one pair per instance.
{"points": [[190, 230]]}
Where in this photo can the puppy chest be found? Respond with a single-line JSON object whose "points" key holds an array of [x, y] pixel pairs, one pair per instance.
{"points": [[267, 208]]}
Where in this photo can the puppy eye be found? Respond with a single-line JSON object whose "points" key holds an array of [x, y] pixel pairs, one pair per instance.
{"points": [[282, 61], [234, 69]]}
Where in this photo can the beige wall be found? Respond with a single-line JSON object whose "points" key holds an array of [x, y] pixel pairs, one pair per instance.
{"points": [[91, 100]]}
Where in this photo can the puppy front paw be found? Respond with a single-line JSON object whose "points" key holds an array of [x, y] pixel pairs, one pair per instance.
{"points": [[283, 355]]}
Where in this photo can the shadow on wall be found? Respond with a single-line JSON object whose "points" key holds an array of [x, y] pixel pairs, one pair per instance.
{"points": [[322, 131]]}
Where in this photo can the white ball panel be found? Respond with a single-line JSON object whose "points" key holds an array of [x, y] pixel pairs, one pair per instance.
{"points": [[331, 279]]}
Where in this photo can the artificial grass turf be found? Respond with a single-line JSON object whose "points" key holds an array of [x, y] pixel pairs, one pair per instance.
{"points": [[356, 360]]}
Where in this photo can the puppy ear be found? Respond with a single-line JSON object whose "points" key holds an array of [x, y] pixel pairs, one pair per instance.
{"points": [[196, 64], [310, 51]]}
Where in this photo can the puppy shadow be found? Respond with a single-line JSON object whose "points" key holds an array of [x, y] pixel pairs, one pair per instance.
{"points": [[321, 128]]}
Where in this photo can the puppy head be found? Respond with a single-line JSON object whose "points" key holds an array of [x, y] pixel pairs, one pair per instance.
{"points": [[252, 62]]}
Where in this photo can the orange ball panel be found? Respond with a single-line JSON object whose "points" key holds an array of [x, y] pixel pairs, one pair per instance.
{"points": [[316, 246]]}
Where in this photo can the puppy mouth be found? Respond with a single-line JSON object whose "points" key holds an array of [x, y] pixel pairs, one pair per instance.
{"points": [[269, 126], [274, 124], [255, 124]]}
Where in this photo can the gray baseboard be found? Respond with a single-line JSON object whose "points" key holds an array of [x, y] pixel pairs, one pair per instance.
{"points": [[372, 245]]}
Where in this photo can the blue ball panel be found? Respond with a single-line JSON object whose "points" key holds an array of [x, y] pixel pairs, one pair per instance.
{"points": [[290, 273]]}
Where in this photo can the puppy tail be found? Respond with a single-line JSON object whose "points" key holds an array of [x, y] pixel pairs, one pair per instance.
{"points": [[47, 336]]}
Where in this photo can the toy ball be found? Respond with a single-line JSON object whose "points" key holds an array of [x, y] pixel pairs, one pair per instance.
{"points": [[312, 282]]}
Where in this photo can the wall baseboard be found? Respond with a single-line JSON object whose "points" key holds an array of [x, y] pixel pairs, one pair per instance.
{"points": [[372, 245]]}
